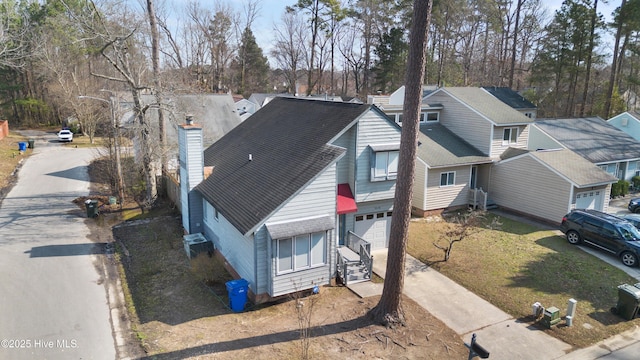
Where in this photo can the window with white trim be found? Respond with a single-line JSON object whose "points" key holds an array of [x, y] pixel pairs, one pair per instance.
{"points": [[385, 165], [448, 178], [510, 136], [301, 252], [430, 116]]}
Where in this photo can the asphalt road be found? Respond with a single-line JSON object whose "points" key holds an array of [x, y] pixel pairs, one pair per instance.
{"points": [[53, 301]]}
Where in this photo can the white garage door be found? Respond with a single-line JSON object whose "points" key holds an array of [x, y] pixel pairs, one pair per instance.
{"points": [[374, 228], [589, 200]]}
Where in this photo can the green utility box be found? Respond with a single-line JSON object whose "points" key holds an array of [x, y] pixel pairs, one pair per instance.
{"points": [[628, 301], [551, 316]]}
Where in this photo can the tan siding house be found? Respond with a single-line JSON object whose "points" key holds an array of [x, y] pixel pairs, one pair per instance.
{"points": [[544, 184]]}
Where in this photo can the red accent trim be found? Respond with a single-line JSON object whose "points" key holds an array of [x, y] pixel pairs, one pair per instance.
{"points": [[345, 201]]}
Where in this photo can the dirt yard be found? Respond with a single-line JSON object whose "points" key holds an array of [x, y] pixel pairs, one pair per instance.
{"points": [[176, 316]]}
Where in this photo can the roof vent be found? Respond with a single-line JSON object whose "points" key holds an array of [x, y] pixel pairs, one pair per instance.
{"points": [[250, 157], [189, 119]]}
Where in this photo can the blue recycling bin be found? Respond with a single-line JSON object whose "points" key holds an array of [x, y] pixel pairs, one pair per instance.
{"points": [[22, 146], [237, 290]]}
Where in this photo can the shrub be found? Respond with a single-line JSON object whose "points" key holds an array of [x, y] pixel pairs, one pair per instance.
{"points": [[636, 181], [624, 187], [615, 189]]}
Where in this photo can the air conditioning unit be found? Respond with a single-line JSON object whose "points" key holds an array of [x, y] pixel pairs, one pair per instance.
{"points": [[195, 244]]}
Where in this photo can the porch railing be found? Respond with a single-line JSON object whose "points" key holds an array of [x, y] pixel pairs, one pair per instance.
{"points": [[478, 198]]}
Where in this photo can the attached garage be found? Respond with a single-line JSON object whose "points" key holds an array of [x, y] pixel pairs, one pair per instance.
{"points": [[548, 184], [374, 227], [590, 199]]}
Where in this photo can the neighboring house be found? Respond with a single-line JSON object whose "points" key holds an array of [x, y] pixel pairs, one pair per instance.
{"points": [[547, 184], [513, 99], [467, 136], [261, 99], [469, 130], [245, 108], [292, 190], [216, 112], [393, 104], [594, 139], [629, 122]]}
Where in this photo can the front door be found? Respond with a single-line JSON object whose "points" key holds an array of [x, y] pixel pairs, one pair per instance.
{"points": [[474, 177]]}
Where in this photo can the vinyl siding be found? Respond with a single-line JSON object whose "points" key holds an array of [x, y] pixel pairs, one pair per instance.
{"points": [[191, 174], [237, 249], [262, 260], [498, 148], [632, 128], [419, 186], [373, 129], [464, 122], [346, 165], [442, 197], [524, 184], [318, 198], [538, 140]]}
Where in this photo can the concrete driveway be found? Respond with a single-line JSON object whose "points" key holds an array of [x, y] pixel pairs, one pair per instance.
{"points": [[54, 304]]}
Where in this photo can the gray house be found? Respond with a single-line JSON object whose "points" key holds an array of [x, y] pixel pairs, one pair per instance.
{"points": [[294, 192], [594, 139]]}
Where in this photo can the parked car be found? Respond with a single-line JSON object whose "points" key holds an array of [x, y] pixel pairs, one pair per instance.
{"points": [[603, 231], [633, 218], [634, 205], [65, 136]]}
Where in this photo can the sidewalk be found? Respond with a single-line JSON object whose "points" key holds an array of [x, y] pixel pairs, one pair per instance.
{"points": [[467, 313]]}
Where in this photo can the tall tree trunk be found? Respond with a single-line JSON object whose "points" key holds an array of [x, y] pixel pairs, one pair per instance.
{"points": [[515, 42], [389, 310], [155, 61], [587, 76], [614, 64]]}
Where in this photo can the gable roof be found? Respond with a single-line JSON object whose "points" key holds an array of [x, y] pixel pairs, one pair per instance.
{"points": [[288, 141], [486, 104], [592, 138], [439, 147], [510, 97], [573, 167], [215, 112]]}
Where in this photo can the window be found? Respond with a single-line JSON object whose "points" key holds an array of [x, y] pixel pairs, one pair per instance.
{"points": [[385, 165], [448, 178], [510, 136], [430, 117], [301, 252]]}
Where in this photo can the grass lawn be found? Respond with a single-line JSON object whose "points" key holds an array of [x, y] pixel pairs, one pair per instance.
{"points": [[518, 264]]}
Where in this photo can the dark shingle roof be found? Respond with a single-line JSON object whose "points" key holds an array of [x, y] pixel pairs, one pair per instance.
{"points": [[439, 147], [592, 138], [288, 140], [510, 97]]}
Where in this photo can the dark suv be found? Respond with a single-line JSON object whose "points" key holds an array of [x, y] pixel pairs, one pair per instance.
{"points": [[604, 231]]}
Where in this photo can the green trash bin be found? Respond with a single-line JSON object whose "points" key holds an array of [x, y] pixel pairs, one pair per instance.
{"points": [[92, 208], [32, 143], [628, 301]]}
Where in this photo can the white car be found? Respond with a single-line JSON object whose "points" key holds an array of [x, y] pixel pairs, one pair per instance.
{"points": [[65, 135]]}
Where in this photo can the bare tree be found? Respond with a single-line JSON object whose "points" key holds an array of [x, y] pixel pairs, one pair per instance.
{"points": [[289, 47], [389, 309]]}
